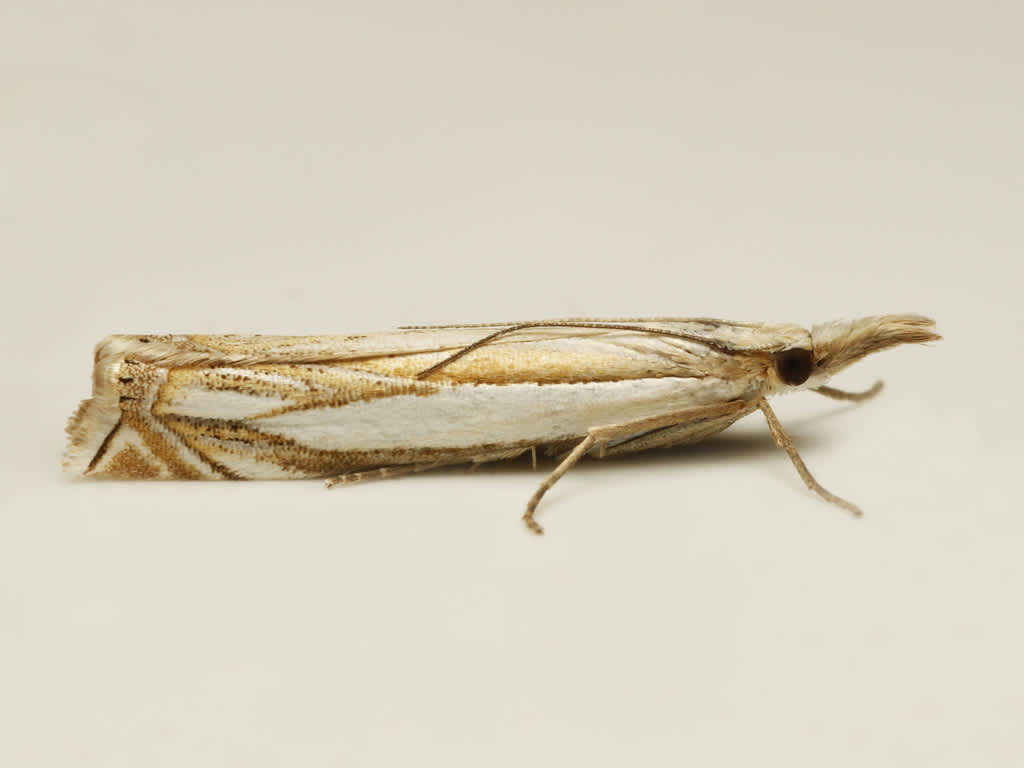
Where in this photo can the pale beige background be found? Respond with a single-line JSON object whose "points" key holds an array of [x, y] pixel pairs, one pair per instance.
{"points": [[349, 166]]}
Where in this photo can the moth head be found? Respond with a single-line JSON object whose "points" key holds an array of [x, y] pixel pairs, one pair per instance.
{"points": [[831, 347], [840, 343]]}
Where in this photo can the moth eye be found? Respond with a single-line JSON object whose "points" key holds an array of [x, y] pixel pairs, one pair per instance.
{"points": [[794, 366]]}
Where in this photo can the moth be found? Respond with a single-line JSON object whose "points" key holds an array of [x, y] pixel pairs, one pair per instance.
{"points": [[359, 407]]}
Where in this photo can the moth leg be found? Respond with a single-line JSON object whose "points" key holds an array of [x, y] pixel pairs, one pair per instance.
{"points": [[575, 455], [855, 397], [378, 473], [608, 432], [784, 442]]}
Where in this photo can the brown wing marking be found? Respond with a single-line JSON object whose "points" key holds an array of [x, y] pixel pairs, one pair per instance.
{"points": [[104, 447]]}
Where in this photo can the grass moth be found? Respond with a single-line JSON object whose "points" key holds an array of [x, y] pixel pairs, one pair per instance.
{"points": [[357, 407]]}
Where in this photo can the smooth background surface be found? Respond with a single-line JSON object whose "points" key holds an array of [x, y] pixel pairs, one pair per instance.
{"points": [[346, 166]]}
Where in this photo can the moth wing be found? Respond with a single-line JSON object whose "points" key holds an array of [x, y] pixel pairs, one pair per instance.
{"points": [[686, 433], [540, 354]]}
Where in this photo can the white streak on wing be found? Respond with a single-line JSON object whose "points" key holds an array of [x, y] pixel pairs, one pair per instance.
{"points": [[250, 465], [184, 454], [201, 402], [224, 404], [467, 415]]}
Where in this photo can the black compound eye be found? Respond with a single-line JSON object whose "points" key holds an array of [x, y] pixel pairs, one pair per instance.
{"points": [[794, 366]]}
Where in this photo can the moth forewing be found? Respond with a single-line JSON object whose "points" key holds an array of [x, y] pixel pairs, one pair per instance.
{"points": [[357, 406]]}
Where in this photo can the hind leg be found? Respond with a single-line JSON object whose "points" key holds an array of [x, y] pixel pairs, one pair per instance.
{"points": [[601, 435]]}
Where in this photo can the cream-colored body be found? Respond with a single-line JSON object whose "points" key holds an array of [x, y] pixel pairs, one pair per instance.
{"points": [[252, 407]]}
